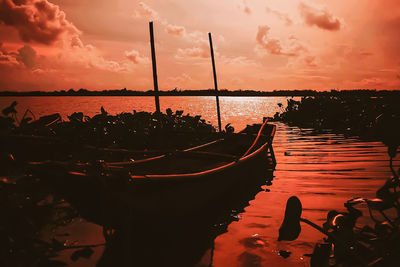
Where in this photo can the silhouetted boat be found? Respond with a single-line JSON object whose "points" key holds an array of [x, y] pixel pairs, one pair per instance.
{"points": [[173, 183], [180, 240]]}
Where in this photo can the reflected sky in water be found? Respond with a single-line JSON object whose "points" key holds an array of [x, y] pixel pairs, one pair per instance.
{"points": [[236, 110], [323, 169]]}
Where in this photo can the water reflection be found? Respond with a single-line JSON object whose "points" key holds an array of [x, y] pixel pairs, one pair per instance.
{"points": [[241, 228], [236, 110], [186, 240], [324, 170]]}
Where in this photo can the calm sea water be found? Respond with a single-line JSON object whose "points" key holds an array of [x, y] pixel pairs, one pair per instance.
{"points": [[322, 169], [236, 110]]}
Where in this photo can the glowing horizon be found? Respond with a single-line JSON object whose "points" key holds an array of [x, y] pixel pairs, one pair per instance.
{"points": [[260, 45]]}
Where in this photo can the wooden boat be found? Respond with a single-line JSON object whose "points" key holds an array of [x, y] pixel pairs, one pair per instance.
{"points": [[181, 240], [180, 182]]}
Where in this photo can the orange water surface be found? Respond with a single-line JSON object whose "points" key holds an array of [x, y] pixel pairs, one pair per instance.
{"points": [[323, 169]]}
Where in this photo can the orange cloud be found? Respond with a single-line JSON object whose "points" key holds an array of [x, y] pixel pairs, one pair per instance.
{"points": [[90, 57], [6, 58], [44, 22], [36, 20], [105, 54], [310, 61], [146, 11], [202, 51], [179, 81], [135, 57], [372, 82], [274, 47], [281, 16], [320, 18], [238, 61], [176, 30], [243, 6]]}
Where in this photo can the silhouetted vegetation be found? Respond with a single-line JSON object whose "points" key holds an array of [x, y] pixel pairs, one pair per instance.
{"points": [[30, 207], [204, 92], [349, 114], [137, 130], [34, 202]]}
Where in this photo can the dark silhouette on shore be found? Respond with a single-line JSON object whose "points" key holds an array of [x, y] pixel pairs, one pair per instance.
{"points": [[204, 92], [348, 114]]}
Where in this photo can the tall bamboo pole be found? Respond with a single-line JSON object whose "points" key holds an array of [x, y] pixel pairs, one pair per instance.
{"points": [[153, 58], [215, 81]]}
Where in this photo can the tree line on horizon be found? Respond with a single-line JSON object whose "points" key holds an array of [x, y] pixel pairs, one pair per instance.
{"points": [[203, 92]]}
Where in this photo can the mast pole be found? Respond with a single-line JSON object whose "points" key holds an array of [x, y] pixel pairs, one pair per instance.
{"points": [[153, 58], [215, 81]]}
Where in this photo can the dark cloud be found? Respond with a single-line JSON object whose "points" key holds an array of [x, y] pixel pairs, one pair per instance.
{"points": [[320, 18], [1, 47], [280, 15], [27, 55], [7, 58], [36, 20]]}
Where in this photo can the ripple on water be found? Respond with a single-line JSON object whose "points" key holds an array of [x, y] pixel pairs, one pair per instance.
{"points": [[324, 170]]}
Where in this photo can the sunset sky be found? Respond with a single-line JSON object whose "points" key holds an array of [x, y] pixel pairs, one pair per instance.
{"points": [[260, 45]]}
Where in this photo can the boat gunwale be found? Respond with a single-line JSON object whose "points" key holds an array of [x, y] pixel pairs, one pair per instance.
{"points": [[193, 175], [184, 176], [129, 163]]}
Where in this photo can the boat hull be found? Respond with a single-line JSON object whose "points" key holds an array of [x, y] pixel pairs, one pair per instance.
{"points": [[108, 195]]}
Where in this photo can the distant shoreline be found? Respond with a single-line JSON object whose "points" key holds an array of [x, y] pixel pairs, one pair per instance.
{"points": [[209, 92]]}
